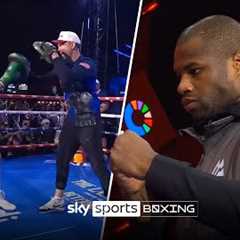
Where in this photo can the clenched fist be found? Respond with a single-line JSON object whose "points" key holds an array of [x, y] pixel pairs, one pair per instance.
{"points": [[131, 155]]}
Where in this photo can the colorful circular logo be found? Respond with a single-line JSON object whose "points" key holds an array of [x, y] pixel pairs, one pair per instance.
{"points": [[138, 117]]}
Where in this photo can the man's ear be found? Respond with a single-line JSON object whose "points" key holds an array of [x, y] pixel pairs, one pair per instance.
{"points": [[236, 61], [73, 45]]}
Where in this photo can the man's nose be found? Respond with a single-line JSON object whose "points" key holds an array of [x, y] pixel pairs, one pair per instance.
{"points": [[184, 85]]}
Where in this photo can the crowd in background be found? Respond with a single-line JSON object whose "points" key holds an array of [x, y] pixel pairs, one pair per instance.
{"points": [[24, 129]]}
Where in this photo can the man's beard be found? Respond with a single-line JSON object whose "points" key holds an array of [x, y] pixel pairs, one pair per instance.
{"points": [[67, 59], [209, 109]]}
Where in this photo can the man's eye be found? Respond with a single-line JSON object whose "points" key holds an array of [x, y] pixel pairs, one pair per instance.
{"points": [[194, 71]]}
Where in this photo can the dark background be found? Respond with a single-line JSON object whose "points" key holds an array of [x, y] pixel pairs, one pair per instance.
{"points": [[24, 21], [167, 22]]}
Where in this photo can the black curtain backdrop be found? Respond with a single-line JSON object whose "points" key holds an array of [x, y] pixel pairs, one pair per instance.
{"points": [[25, 21]]}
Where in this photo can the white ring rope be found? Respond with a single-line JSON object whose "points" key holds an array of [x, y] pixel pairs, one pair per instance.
{"points": [[36, 128]]}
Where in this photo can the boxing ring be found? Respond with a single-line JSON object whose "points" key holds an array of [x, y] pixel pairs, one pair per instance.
{"points": [[28, 177]]}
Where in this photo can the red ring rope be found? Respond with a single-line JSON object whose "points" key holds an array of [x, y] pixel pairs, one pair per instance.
{"points": [[51, 98]]}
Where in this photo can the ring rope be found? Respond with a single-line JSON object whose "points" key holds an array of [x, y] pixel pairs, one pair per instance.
{"points": [[55, 128], [51, 98], [34, 146], [104, 115]]}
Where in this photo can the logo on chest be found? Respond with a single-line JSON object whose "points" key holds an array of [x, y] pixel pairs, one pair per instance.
{"points": [[218, 170]]}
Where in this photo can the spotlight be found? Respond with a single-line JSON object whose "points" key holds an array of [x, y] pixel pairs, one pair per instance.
{"points": [[150, 7]]}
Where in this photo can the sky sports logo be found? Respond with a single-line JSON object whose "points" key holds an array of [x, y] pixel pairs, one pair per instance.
{"points": [[136, 208]]}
